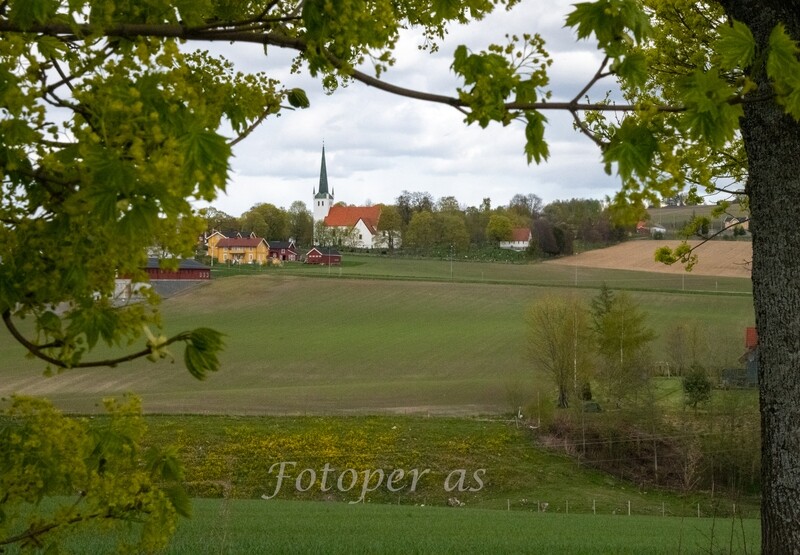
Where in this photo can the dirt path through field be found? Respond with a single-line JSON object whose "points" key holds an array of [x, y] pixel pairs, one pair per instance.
{"points": [[716, 258]]}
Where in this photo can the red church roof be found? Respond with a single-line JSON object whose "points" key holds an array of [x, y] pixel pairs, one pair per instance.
{"points": [[348, 216]]}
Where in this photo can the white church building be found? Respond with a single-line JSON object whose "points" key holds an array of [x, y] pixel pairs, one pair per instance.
{"points": [[356, 225]]}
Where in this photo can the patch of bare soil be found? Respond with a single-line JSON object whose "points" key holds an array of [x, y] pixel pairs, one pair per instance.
{"points": [[715, 258]]}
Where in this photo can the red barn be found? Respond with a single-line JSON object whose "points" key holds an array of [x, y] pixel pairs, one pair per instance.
{"points": [[187, 270], [324, 255]]}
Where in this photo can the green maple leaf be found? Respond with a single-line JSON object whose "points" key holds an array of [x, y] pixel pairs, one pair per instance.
{"points": [[736, 46], [633, 148], [29, 12], [633, 68], [205, 159], [535, 146], [784, 69]]}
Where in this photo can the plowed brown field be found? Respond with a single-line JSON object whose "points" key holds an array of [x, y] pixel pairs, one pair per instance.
{"points": [[716, 258]]}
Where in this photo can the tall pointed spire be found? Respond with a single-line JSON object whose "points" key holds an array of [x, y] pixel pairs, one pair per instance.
{"points": [[323, 200], [323, 179]]}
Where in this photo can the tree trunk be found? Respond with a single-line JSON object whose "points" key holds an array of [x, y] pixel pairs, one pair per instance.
{"points": [[772, 141], [563, 398]]}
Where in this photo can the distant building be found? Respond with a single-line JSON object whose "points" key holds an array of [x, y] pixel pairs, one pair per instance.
{"points": [[520, 239], [642, 227], [187, 270], [282, 250], [324, 255], [747, 376], [166, 282], [237, 250], [355, 226]]}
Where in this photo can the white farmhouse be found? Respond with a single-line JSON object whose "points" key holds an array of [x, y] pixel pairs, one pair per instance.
{"points": [[520, 239]]}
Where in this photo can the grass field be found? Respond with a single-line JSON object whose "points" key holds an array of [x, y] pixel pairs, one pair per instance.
{"points": [[236, 458], [400, 338], [564, 275], [238, 527]]}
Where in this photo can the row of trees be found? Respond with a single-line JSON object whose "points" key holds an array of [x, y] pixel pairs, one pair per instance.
{"points": [[425, 224], [266, 220], [421, 224]]}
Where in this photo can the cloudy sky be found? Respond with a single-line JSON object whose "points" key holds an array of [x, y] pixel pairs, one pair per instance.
{"points": [[378, 145]]}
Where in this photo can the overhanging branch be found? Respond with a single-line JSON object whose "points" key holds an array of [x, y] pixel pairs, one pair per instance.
{"points": [[273, 38], [38, 350]]}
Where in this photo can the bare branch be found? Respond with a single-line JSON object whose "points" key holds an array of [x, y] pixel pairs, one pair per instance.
{"points": [[597, 76], [65, 79]]}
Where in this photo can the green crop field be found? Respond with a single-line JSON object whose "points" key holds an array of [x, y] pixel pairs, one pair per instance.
{"points": [[319, 345], [239, 527], [316, 344], [463, 271]]}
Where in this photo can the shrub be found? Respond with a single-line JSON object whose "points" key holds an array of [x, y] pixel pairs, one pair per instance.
{"points": [[696, 387]]}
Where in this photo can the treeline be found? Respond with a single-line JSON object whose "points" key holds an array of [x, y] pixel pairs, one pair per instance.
{"points": [[267, 221], [418, 224]]}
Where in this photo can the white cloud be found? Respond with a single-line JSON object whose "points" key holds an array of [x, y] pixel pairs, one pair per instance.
{"points": [[378, 145]]}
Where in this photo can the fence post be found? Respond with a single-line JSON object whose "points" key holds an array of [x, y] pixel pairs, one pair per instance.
{"points": [[629, 508], [594, 511]]}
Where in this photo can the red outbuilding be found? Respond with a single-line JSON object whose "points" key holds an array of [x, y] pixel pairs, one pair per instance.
{"points": [[187, 270], [282, 250], [324, 255]]}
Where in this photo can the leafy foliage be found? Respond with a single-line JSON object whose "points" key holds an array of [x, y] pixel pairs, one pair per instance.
{"points": [[499, 228], [94, 475]]}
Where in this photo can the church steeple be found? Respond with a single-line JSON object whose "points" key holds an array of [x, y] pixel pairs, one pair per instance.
{"points": [[323, 180], [323, 200]]}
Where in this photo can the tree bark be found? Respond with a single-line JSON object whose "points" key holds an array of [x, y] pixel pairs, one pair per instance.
{"points": [[772, 141]]}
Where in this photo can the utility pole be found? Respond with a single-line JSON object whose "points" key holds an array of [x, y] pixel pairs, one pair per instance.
{"points": [[451, 262]]}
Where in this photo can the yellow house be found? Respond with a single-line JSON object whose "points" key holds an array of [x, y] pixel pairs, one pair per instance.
{"points": [[238, 250]]}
